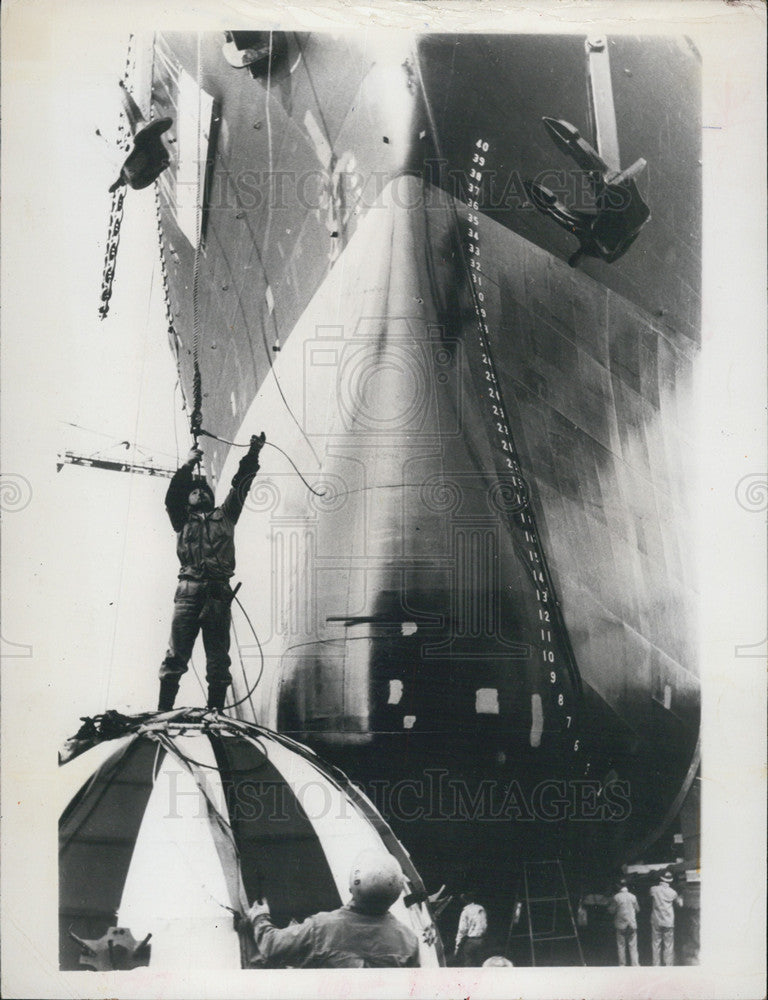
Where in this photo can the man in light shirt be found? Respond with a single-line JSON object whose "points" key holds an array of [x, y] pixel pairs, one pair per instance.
{"points": [[625, 907], [663, 901], [470, 937]]}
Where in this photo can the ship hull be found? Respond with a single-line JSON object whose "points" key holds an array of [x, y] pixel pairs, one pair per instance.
{"points": [[486, 576]]}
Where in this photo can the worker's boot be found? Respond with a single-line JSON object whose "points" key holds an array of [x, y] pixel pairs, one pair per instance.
{"points": [[217, 694], [169, 687]]}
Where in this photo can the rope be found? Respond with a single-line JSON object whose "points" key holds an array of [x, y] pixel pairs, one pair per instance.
{"points": [[268, 116], [245, 676], [197, 676], [175, 422], [237, 444], [255, 684], [173, 337], [268, 349], [249, 692], [191, 762], [130, 494], [197, 381]]}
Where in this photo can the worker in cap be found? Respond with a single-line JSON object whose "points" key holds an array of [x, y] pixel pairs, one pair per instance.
{"points": [[664, 899], [205, 545], [361, 934], [624, 908]]}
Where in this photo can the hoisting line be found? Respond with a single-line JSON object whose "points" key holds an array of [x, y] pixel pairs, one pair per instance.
{"points": [[236, 444], [197, 380]]}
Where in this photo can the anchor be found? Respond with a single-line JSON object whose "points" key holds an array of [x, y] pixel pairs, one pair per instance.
{"points": [[609, 229], [149, 157]]}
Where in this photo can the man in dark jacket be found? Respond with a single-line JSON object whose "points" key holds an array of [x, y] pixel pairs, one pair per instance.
{"points": [[362, 934], [206, 549]]}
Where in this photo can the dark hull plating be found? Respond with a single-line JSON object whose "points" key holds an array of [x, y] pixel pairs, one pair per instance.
{"points": [[494, 592]]}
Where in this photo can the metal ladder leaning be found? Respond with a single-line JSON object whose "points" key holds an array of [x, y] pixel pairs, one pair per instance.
{"points": [[549, 913]]}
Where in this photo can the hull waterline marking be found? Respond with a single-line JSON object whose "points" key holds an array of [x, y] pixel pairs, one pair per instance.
{"points": [[550, 667]]}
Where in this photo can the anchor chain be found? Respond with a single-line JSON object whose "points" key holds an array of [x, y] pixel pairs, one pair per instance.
{"points": [[118, 198], [110, 255]]}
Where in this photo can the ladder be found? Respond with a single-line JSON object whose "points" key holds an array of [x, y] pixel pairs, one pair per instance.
{"points": [[551, 926]]}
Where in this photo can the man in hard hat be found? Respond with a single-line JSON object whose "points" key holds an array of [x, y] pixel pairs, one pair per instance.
{"points": [[206, 549], [359, 935], [624, 907], [663, 901]]}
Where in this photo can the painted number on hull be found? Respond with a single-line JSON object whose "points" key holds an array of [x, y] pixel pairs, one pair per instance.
{"points": [[473, 242]]}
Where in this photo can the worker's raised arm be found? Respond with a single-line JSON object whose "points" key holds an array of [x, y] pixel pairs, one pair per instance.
{"points": [[179, 489], [242, 479], [292, 945]]}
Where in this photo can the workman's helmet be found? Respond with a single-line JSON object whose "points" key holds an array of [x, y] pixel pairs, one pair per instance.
{"points": [[375, 881], [202, 485]]}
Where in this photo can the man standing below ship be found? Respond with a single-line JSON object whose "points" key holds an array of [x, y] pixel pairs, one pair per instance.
{"points": [[470, 936], [663, 901], [206, 549], [624, 907]]}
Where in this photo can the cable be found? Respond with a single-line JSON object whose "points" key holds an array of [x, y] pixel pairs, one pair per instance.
{"points": [[171, 747], [175, 424], [197, 379], [197, 675], [133, 444], [111, 666], [237, 444], [268, 116], [242, 667], [261, 669]]}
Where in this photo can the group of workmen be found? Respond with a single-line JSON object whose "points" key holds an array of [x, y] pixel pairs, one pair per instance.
{"points": [[624, 907]]}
